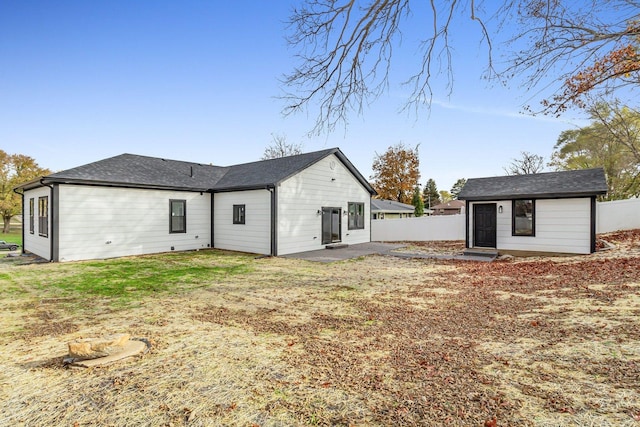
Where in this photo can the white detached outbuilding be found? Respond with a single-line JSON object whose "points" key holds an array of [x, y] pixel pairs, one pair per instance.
{"points": [[132, 205], [552, 212]]}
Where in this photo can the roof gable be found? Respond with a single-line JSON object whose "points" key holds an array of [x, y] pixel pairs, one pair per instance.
{"points": [[271, 172], [563, 184]]}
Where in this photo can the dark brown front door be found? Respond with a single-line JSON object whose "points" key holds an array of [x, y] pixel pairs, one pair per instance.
{"points": [[484, 225]]}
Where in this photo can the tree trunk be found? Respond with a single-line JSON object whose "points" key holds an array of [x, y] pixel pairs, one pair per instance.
{"points": [[7, 224]]}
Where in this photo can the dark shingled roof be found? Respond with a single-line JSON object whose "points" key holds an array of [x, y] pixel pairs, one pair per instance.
{"points": [[270, 172], [575, 183], [130, 170], [142, 171]]}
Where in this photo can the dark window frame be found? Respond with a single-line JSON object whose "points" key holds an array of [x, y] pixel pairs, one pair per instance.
{"points": [[355, 214], [32, 210], [174, 226], [239, 214], [514, 215], [43, 216]]}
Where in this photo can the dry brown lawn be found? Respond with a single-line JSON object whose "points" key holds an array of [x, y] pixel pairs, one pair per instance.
{"points": [[373, 341]]}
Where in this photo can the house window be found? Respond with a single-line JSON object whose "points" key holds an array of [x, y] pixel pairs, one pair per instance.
{"points": [[238, 214], [31, 215], [178, 219], [524, 217], [43, 216], [356, 216]]}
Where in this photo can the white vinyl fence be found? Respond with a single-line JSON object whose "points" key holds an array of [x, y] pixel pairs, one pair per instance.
{"points": [[618, 215], [437, 227], [611, 216]]}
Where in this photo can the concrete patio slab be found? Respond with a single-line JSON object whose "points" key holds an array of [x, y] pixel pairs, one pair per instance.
{"points": [[377, 248], [348, 252]]}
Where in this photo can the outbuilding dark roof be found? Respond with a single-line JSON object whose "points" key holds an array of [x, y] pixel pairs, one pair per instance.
{"points": [[564, 184], [130, 170]]}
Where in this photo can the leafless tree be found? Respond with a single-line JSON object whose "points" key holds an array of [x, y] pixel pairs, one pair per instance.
{"points": [[345, 49], [527, 164], [280, 148]]}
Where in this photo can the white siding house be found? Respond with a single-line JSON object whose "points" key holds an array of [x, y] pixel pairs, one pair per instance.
{"points": [[548, 212], [132, 205], [302, 197]]}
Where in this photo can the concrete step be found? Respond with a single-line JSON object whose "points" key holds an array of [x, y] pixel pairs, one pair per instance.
{"points": [[337, 246], [487, 252]]}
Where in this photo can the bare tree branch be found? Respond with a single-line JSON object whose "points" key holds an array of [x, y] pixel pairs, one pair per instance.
{"points": [[525, 165], [280, 148], [559, 49]]}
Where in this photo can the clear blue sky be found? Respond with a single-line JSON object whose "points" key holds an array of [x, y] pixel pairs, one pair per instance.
{"points": [[198, 80]]}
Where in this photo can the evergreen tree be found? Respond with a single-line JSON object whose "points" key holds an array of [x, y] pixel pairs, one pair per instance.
{"points": [[417, 202], [431, 195], [455, 190]]}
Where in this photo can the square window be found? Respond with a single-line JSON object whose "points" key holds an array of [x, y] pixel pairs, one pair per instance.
{"points": [[238, 214], [178, 216], [524, 217]]}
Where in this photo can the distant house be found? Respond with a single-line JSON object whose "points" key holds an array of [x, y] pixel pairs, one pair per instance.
{"points": [[131, 205], [546, 212], [452, 207], [390, 209]]}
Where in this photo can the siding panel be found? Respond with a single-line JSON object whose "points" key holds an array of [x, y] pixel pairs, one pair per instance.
{"points": [[254, 236], [104, 222]]}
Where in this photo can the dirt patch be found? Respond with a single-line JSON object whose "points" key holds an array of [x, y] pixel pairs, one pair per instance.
{"points": [[372, 341]]}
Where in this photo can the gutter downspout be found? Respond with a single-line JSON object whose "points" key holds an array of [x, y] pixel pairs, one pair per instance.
{"points": [[274, 221], [21, 195], [212, 219], [593, 225], [466, 224], [51, 206]]}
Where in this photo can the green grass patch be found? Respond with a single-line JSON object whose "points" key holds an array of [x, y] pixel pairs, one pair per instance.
{"points": [[14, 235], [126, 280]]}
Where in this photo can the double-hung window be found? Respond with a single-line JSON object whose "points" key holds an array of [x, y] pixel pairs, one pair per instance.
{"points": [[43, 216], [356, 216], [178, 212], [31, 215], [524, 217], [238, 214]]}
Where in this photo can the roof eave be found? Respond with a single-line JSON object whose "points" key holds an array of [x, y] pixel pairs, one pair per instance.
{"points": [[355, 172], [243, 188], [99, 183], [29, 185], [556, 195]]}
